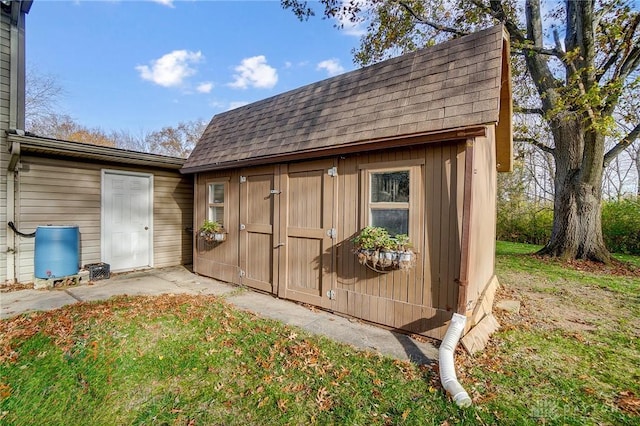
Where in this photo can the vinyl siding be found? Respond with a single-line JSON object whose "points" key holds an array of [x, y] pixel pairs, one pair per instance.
{"points": [[5, 64], [61, 192]]}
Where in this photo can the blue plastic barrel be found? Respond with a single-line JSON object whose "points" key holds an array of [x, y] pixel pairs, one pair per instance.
{"points": [[57, 251]]}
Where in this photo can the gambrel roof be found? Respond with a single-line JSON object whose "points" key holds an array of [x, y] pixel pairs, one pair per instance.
{"points": [[454, 85]]}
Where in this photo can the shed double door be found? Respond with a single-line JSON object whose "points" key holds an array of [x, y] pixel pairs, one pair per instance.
{"points": [[306, 260], [286, 231], [259, 208]]}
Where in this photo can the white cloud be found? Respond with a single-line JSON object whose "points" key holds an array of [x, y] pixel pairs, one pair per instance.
{"points": [[216, 104], [205, 87], [168, 3], [254, 72], [332, 66], [171, 69], [236, 104]]}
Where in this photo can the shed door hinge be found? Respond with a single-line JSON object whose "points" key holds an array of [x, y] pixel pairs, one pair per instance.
{"points": [[333, 172], [243, 179], [331, 294], [332, 233], [242, 273]]}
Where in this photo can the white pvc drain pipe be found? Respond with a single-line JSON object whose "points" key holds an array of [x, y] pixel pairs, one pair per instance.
{"points": [[447, 367]]}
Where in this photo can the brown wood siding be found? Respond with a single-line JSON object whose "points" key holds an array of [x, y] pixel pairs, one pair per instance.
{"points": [[5, 65], [219, 260], [61, 192], [482, 242], [421, 300]]}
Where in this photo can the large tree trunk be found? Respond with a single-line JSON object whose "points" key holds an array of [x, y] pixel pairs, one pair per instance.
{"points": [[577, 226]]}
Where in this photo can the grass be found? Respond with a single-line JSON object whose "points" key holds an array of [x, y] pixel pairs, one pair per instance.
{"points": [[188, 360]]}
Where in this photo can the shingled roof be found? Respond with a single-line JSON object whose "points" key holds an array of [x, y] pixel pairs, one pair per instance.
{"points": [[453, 85]]}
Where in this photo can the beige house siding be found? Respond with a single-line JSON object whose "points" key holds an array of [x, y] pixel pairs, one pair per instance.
{"points": [[62, 192], [5, 65]]}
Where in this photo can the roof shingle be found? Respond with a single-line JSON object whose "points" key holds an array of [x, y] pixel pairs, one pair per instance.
{"points": [[451, 85]]}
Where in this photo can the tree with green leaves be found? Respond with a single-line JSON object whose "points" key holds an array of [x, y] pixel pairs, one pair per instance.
{"points": [[573, 61]]}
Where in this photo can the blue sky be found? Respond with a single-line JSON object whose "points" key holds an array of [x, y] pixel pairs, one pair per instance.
{"points": [[142, 65]]}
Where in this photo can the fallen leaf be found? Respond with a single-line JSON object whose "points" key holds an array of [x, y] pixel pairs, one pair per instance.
{"points": [[5, 391], [282, 404], [405, 414], [627, 401]]}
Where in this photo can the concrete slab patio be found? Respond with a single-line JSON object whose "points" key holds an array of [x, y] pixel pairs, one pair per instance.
{"points": [[179, 280]]}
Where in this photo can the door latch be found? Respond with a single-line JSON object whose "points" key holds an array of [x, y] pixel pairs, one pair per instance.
{"points": [[332, 233]]}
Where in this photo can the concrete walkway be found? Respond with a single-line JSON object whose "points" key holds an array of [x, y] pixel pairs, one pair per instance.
{"points": [[179, 280]]}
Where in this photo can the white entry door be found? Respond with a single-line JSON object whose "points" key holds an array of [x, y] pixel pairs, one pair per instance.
{"points": [[127, 216]]}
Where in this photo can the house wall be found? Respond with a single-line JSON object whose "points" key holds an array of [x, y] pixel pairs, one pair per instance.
{"points": [[12, 111], [5, 83], [421, 300], [221, 261], [65, 192], [482, 241]]}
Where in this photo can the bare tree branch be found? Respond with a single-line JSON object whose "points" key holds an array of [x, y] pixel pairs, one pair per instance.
{"points": [[523, 110], [622, 145], [524, 48], [495, 9], [430, 23], [537, 144]]}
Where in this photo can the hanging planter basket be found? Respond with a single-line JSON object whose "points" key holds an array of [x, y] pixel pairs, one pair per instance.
{"points": [[384, 261], [213, 237], [382, 253], [212, 232]]}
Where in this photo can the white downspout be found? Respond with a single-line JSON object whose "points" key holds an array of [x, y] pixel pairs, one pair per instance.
{"points": [[447, 367]]}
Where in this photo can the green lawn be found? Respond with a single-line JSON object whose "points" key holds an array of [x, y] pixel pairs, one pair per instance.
{"points": [[570, 357]]}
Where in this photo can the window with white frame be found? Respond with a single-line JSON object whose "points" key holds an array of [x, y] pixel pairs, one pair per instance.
{"points": [[216, 198], [389, 200], [391, 195]]}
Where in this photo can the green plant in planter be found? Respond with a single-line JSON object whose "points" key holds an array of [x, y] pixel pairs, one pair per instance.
{"points": [[211, 227], [371, 238], [402, 242], [212, 231], [377, 249]]}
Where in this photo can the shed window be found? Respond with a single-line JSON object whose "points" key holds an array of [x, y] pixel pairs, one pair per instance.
{"points": [[389, 197], [216, 200]]}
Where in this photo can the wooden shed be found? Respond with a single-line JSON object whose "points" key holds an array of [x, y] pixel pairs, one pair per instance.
{"points": [[133, 210], [293, 178]]}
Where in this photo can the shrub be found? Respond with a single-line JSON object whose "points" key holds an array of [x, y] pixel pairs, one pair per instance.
{"points": [[526, 222], [621, 225]]}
